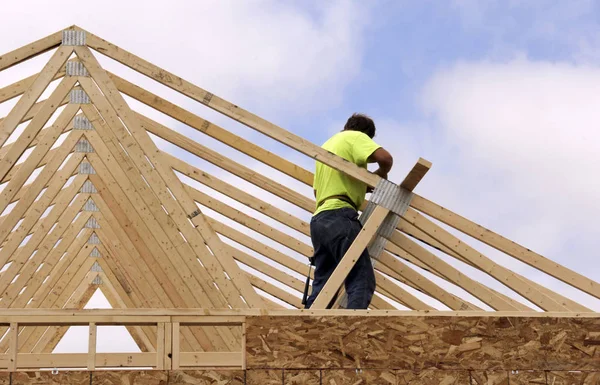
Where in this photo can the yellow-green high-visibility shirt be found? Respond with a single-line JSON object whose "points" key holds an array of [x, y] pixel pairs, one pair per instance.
{"points": [[354, 146]]}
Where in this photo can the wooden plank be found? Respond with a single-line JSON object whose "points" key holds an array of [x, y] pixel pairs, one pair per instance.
{"points": [[13, 335], [19, 88], [227, 164], [212, 130], [506, 246], [210, 100], [49, 378], [416, 174], [22, 255], [473, 287], [342, 270], [49, 171], [207, 377], [411, 230], [211, 359], [91, 362], [175, 340], [500, 273], [31, 163], [32, 277], [35, 91], [237, 194], [30, 50], [419, 343], [160, 346]]}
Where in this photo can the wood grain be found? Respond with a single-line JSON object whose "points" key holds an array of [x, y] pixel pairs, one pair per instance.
{"points": [[47, 378], [573, 378], [130, 377], [264, 377], [419, 343], [302, 377], [533, 377], [207, 377], [432, 377], [489, 378], [342, 377]]}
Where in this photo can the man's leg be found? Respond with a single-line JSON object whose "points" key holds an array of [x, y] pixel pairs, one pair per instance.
{"points": [[360, 283], [324, 261]]}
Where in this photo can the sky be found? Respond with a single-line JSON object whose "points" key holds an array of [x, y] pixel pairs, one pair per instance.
{"points": [[500, 95]]}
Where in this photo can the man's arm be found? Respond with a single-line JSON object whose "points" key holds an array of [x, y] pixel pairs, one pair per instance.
{"points": [[385, 161]]}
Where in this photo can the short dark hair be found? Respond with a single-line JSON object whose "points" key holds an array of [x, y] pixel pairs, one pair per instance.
{"points": [[362, 123]]}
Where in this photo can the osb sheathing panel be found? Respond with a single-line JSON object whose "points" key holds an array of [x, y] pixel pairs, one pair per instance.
{"points": [[127, 377], [301, 377], [432, 377], [264, 377], [527, 378], [206, 377], [419, 343], [339, 377], [4, 378], [489, 378], [573, 378], [47, 378]]}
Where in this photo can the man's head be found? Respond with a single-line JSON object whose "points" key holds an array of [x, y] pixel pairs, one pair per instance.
{"points": [[362, 123]]}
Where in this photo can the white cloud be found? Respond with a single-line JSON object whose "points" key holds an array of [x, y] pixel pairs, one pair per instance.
{"points": [[273, 56], [525, 153]]}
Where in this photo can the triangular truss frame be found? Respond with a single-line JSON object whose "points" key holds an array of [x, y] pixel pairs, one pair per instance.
{"points": [[90, 203]]}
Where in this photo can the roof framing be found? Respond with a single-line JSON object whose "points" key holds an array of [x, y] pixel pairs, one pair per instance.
{"points": [[99, 206]]}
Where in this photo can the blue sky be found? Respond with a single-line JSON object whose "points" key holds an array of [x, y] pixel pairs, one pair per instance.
{"points": [[500, 95]]}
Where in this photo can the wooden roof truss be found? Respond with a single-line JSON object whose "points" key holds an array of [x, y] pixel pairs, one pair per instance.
{"points": [[90, 202]]}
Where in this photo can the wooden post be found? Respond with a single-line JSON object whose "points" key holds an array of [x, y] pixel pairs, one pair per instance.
{"points": [[92, 347], [244, 345], [160, 346], [14, 346], [349, 260], [175, 343], [168, 346]]}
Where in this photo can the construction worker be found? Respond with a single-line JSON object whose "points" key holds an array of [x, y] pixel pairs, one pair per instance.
{"points": [[335, 225]]}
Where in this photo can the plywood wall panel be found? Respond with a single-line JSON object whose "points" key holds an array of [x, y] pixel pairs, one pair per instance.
{"points": [[206, 377], [420, 343], [130, 377], [47, 378]]}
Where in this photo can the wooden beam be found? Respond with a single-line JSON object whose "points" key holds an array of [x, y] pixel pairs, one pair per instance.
{"points": [[201, 125], [30, 50], [460, 279], [501, 273], [31, 163], [19, 88], [210, 100], [26, 101], [506, 246]]}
